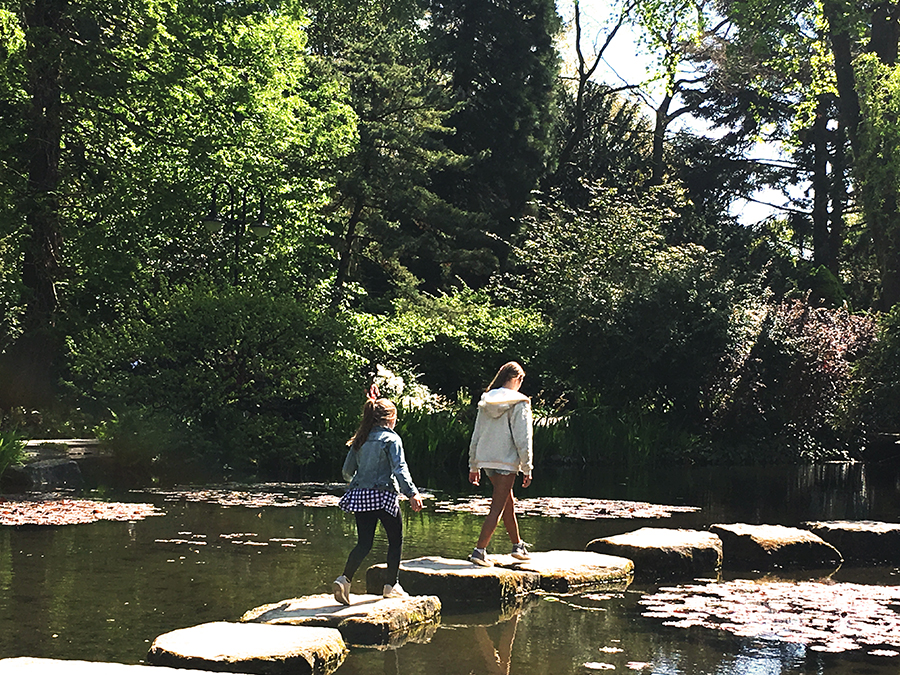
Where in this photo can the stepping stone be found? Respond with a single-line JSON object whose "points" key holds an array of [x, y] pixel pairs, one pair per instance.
{"points": [[251, 648], [458, 583], [566, 571], [766, 547], [861, 541], [368, 620], [28, 666], [662, 552]]}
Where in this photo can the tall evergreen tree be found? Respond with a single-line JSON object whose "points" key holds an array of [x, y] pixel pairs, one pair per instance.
{"points": [[502, 65]]}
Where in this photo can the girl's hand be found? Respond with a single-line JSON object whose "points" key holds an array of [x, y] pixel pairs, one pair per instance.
{"points": [[416, 502], [526, 481], [474, 477]]}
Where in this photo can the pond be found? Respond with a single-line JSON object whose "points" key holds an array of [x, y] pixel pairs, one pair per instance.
{"points": [[104, 591]]}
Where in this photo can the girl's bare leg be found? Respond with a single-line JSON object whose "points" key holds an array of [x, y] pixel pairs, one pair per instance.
{"points": [[500, 499], [509, 517]]}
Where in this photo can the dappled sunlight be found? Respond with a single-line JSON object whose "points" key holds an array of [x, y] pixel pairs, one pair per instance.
{"points": [[52, 510], [823, 616], [568, 507]]}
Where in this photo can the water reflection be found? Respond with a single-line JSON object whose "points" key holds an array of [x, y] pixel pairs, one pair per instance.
{"points": [[104, 591]]}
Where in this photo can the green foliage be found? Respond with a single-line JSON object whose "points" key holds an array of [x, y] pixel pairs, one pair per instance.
{"points": [[502, 65], [633, 318], [629, 436], [780, 391], [220, 380], [12, 449], [455, 342], [876, 388], [608, 138]]}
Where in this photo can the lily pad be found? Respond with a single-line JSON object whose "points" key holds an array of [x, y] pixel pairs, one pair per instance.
{"points": [[827, 617], [55, 511], [579, 508]]}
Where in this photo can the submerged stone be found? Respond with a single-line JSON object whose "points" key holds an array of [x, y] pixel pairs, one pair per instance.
{"points": [[368, 620], [861, 541], [458, 582], [662, 552], [250, 648], [28, 666], [766, 547], [567, 571]]}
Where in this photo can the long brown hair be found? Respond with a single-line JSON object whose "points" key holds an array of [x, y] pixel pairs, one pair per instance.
{"points": [[507, 372], [376, 411]]}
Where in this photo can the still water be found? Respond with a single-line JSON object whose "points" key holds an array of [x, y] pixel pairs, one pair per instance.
{"points": [[105, 591]]}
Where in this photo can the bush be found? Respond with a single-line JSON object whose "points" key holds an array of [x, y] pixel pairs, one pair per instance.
{"points": [[12, 450], [783, 382], [453, 343], [221, 380], [873, 405]]}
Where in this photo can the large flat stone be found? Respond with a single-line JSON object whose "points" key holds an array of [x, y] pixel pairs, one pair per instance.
{"points": [[368, 620], [861, 541], [250, 648], [767, 547], [28, 666], [567, 571], [458, 583], [663, 552]]}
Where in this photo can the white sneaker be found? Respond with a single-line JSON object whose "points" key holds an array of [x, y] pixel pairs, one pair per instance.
{"points": [[520, 552], [479, 557], [395, 591], [341, 588]]}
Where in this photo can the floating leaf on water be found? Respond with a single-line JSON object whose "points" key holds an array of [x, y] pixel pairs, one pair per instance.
{"points": [[568, 507], [827, 617], [51, 510]]}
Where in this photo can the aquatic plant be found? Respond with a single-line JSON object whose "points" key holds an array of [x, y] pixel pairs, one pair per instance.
{"points": [[12, 450], [824, 616]]}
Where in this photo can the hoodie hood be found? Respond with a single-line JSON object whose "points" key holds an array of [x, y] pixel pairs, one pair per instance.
{"points": [[497, 401]]}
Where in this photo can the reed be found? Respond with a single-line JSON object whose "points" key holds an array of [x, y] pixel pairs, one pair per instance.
{"points": [[12, 449]]}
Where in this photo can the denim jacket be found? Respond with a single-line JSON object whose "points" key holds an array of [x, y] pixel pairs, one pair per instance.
{"points": [[379, 464]]}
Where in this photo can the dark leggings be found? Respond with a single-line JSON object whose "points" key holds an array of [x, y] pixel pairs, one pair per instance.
{"points": [[365, 534]]}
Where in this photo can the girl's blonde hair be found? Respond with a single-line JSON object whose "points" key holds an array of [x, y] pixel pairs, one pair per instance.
{"points": [[376, 411], [507, 372]]}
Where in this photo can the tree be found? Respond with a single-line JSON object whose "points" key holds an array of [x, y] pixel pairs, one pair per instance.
{"points": [[385, 215], [157, 103], [502, 67]]}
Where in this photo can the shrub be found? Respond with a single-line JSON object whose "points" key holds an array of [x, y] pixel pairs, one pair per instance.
{"points": [[453, 343], [783, 382], [221, 379], [873, 405], [12, 450]]}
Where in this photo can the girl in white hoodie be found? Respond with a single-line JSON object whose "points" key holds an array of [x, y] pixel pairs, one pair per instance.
{"points": [[502, 446]]}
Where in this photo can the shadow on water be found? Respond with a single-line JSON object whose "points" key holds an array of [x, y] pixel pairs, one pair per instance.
{"points": [[104, 591]]}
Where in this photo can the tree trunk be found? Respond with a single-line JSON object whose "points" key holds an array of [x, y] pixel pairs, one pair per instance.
{"points": [[659, 138], [883, 222], [27, 365], [838, 198], [819, 137], [346, 255]]}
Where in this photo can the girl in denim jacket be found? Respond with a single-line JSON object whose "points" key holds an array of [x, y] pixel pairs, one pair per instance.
{"points": [[377, 471]]}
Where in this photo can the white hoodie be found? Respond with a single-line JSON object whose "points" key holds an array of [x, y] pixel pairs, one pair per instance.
{"points": [[502, 436]]}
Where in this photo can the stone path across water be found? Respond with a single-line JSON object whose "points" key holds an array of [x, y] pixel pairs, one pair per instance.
{"points": [[28, 666], [368, 620], [250, 648]]}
